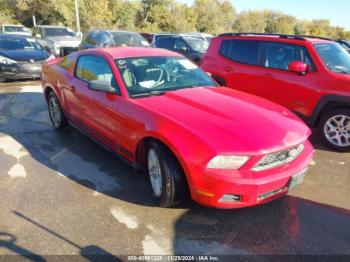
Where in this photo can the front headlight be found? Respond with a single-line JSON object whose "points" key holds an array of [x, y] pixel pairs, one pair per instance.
{"points": [[227, 162], [7, 61]]}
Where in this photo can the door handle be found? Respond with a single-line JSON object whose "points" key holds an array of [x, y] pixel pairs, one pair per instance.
{"points": [[269, 75]]}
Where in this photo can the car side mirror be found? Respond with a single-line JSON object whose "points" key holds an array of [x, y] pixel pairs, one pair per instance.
{"points": [[298, 67], [101, 85]]}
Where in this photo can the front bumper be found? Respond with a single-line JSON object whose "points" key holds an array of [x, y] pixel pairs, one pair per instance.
{"points": [[250, 186], [21, 70]]}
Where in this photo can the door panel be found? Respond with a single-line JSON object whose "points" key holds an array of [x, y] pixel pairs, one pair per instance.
{"points": [[294, 91], [97, 111], [240, 62]]}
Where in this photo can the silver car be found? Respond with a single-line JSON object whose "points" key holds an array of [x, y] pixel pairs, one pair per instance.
{"points": [[56, 39]]}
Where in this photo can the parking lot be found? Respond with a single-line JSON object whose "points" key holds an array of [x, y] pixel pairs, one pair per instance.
{"points": [[63, 194]]}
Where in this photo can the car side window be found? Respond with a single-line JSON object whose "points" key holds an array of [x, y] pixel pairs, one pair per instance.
{"points": [[90, 68], [165, 42], [180, 45], [280, 55], [241, 51], [105, 40]]}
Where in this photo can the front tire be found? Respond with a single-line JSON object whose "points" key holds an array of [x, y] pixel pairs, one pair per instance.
{"points": [[166, 176], [58, 120], [334, 128]]}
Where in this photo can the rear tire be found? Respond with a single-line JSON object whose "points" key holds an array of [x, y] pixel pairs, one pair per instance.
{"points": [[334, 127], [58, 119], [167, 179]]}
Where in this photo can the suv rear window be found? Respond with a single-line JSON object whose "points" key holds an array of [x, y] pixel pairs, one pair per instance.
{"points": [[242, 51]]}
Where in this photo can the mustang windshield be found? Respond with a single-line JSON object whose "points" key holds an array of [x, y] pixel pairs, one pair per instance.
{"points": [[335, 57], [156, 75]]}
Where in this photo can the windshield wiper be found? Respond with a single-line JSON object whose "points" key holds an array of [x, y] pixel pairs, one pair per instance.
{"points": [[151, 93]]}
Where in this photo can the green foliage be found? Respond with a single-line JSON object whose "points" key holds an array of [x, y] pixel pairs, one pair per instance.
{"points": [[250, 21], [275, 22], [212, 16]]}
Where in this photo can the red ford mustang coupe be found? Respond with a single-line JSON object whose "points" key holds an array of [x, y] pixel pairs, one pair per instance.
{"points": [[160, 112]]}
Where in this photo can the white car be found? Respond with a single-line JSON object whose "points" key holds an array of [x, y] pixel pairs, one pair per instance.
{"points": [[56, 39], [14, 29], [204, 36]]}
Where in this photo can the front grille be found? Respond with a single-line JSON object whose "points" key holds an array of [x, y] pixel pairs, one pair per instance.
{"points": [[278, 159], [30, 64], [26, 66]]}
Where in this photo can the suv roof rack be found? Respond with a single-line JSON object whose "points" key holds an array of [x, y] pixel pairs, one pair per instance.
{"points": [[296, 37], [317, 37]]}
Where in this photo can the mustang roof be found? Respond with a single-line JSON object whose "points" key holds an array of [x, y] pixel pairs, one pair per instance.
{"points": [[124, 52]]}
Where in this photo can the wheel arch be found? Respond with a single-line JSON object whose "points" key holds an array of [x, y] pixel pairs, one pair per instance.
{"points": [[47, 90], [142, 145], [327, 103]]}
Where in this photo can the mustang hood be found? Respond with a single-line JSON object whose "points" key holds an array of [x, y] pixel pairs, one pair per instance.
{"points": [[230, 121], [25, 55]]}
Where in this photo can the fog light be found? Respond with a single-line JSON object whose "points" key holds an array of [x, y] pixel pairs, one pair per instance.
{"points": [[230, 198]]}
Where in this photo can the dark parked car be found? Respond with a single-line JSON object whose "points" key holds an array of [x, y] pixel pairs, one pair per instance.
{"points": [[192, 47], [109, 38], [21, 57]]}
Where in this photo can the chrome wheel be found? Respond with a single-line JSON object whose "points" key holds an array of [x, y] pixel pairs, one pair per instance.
{"points": [[155, 172], [55, 111], [337, 130]]}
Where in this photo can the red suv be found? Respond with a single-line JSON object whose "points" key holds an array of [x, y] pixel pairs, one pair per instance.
{"points": [[308, 75]]}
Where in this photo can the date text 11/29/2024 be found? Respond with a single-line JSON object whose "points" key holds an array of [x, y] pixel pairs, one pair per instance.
{"points": [[173, 258]]}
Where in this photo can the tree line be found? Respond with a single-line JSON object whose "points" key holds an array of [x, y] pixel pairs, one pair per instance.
{"points": [[211, 16]]}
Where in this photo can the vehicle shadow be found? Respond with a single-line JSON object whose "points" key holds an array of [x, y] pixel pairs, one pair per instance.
{"points": [[289, 226], [71, 154]]}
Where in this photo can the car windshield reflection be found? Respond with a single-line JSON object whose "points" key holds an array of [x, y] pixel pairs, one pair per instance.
{"points": [[156, 75]]}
